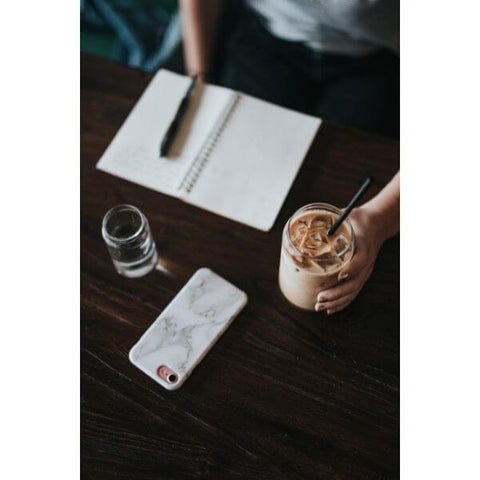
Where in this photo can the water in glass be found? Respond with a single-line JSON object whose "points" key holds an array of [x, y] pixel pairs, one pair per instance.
{"points": [[127, 234]]}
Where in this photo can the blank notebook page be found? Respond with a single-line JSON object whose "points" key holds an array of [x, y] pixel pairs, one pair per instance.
{"points": [[254, 161]]}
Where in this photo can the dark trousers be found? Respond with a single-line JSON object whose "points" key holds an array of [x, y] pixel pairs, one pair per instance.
{"points": [[359, 92]]}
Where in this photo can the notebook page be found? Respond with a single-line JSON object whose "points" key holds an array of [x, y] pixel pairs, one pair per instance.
{"points": [[134, 152], [253, 163]]}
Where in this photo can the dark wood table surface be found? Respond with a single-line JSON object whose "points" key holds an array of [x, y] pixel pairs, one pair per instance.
{"points": [[283, 393]]}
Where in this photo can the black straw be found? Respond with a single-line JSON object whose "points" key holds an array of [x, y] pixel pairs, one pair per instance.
{"points": [[356, 198]]}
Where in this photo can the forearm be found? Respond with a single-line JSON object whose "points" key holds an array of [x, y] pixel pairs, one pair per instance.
{"points": [[384, 209], [200, 26]]}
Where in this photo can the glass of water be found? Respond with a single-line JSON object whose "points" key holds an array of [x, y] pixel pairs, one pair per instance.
{"points": [[129, 240]]}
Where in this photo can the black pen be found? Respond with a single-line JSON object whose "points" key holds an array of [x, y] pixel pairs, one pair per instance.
{"points": [[177, 120]]}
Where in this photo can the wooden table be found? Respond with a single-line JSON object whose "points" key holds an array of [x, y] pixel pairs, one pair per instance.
{"points": [[283, 394]]}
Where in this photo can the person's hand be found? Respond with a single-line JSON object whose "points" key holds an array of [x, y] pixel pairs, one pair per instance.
{"points": [[202, 77], [368, 240]]}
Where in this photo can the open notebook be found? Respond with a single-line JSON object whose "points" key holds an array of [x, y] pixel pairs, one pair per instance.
{"points": [[234, 155]]}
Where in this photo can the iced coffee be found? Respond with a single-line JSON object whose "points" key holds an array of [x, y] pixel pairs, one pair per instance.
{"points": [[310, 259]]}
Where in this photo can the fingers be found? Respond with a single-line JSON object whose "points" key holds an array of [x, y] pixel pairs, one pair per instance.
{"points": [[202, 77], [346, 287], [351, 279], [337, 305], [341, 290], [337, 298], [356, 264]]}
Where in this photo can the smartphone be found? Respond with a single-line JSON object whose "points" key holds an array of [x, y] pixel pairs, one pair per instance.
{"points": [[187, 329]]}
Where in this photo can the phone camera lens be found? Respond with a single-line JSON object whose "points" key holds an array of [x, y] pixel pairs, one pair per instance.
{"points": [[172, 378]]}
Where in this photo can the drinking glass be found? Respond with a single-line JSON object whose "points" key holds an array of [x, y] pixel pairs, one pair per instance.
{"points": [[129, 241], [302, 277]]}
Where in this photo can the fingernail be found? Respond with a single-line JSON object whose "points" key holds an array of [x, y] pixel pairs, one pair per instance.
{"points": [[321, 299], [342, 276], [319, 308], [329, 312]]}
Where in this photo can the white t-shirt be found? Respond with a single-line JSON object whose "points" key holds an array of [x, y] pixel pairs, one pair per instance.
{"points": [[344, 27]]}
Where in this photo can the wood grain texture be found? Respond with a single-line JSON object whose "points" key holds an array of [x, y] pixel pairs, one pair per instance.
{"points": [[284, 394]]}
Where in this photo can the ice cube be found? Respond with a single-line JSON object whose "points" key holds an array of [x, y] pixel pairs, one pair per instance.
{"points": [[301, 261], [328, 259], [322, 249], [303, 240], [296, 237], [320, 222], [340, 244], [297, 231], [311, 241], [318, 266]]}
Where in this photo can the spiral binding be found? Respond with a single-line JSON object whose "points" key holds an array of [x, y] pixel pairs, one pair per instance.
{"points": [[193, 173]]}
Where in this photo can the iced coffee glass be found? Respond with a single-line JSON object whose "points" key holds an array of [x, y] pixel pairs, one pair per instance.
{"points": [[310, 260]]}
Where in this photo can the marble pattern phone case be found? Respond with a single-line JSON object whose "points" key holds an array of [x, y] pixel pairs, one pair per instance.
{"points": [[188, 327]]}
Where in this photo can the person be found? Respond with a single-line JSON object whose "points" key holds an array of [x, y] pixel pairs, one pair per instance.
{"points": [[336, 59], [373, 223]]}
